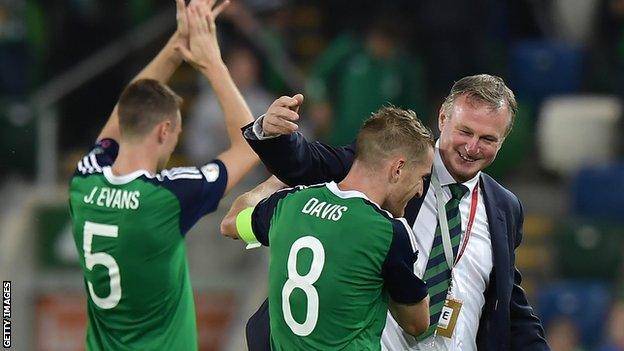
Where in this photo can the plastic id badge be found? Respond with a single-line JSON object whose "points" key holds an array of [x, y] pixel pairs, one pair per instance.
{"points": [[448, 317]]}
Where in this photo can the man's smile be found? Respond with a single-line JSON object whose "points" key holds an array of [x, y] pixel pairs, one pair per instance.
{"points": [[467, 158]]}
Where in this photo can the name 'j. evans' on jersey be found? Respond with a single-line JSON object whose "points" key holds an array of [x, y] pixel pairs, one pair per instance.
{"points": [[113, 198]]}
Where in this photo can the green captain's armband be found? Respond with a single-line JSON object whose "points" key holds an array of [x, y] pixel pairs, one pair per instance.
{"points": [[243, 226]]}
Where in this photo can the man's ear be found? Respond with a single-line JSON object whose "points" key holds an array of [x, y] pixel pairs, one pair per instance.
{"points": [[442, 118], [163, 130], [396, 169]]}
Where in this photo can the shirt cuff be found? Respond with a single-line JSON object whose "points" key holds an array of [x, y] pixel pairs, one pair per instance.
{"points": [[258, 133]]}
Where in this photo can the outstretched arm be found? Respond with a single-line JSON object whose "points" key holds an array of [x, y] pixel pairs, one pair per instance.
{"points": [[248, 199], [288, 155], [204, 54], [161, 68]]}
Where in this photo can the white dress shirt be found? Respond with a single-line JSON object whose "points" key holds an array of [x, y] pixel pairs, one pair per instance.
{"points": [[471, 274]]}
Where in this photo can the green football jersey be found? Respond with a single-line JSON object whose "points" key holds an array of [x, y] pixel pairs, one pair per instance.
{"points": [[129, 231], [335, 259]]}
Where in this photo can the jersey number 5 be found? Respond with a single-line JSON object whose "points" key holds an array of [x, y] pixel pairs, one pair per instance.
{"points": [[304, 283], [106, 260]]}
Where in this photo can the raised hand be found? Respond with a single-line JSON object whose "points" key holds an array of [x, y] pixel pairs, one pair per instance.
{"points": [[181, 36], [281, 115], [203, 48]]}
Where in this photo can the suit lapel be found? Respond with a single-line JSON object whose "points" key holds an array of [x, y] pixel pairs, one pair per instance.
{"points": [[498, 235]]}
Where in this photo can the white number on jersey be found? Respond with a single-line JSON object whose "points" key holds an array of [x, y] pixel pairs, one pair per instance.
{"points": [[304, 283], [106, 260]]}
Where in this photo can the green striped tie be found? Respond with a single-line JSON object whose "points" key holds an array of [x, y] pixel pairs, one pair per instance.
{"points": [[438, 274]]}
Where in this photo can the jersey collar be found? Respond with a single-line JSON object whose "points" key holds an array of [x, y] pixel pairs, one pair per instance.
{"points": [[122, 179], [346, 194]]}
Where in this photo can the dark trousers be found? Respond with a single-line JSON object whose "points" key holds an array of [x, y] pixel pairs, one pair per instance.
{"points": [[258, 330]]}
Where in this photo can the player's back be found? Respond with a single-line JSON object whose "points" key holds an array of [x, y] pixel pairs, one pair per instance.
{"points": [[326, 289], [129, 234]]}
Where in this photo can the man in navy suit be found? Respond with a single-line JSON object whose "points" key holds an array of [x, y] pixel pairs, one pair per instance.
{"points": [[488, 307]]}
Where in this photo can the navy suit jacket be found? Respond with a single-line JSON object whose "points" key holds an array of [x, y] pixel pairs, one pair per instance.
{"points": [[507, 320]]}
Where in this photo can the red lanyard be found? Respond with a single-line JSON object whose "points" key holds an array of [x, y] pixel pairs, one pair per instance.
{"points": [[473, 212]]}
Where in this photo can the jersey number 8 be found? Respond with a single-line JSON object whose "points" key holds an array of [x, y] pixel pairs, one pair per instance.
{"points": [[304, 283], [91, 259]]}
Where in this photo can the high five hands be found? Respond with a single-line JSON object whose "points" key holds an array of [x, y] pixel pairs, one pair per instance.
{"points": [[198, 45], [197, 32]]}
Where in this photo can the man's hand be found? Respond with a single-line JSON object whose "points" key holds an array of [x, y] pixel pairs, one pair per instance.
{"points": [[182, 31], [202, 48], [228, 223], [281, 115]]}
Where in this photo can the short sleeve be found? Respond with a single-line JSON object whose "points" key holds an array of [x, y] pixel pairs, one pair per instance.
{"points": [[199, 190], [398, 270], [263, 214]]}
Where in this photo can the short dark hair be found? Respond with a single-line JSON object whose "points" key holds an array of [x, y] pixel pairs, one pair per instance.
{"points": [[391, 130], [145, 103], [486, 89]]}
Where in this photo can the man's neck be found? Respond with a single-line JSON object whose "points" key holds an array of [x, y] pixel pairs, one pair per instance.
{"points": [[363, 180], [133, 157]]}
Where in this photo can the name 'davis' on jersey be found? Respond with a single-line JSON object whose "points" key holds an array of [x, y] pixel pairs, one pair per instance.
{"points": [[322, 209], [113, 198]]}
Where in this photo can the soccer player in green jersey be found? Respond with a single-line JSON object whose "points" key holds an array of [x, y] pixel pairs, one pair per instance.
{"points": [[338, 260], [130, 215]]}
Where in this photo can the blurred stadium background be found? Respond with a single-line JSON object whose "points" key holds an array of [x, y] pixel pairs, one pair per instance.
{"points": [[63, 63]]}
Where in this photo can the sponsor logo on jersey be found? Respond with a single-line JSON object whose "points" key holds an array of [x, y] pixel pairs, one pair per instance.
{"points": [[211, 172], [113, 198], [324, 210]]}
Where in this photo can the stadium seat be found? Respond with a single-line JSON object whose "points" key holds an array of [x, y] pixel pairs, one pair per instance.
{"points": [[589, 249], [597, 192], [586, 303], [540, 68], [577, 130], [575, 24]]}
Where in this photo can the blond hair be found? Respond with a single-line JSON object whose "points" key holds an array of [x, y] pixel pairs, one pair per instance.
{"points": [[390, 131]]}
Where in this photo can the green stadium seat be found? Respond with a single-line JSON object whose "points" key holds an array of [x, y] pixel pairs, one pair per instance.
{"points": [[18, 139], [589, 249]]}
